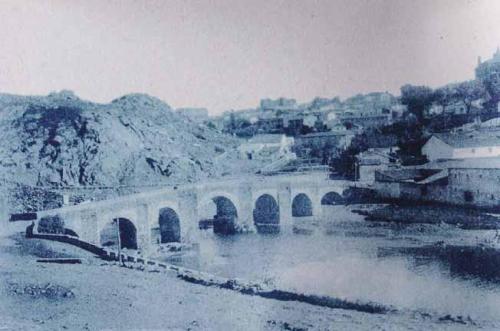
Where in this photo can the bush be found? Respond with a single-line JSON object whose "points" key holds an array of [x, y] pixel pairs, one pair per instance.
{"points": [[51, 224]]}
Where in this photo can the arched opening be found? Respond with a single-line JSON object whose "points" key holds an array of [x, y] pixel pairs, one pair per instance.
{"points": [[332, 198], [225, 217], [127, 230], [170, 228], [301, 206], [266, 215], [329, 203]]}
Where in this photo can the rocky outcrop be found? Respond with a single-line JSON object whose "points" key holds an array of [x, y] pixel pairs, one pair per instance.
{"points": [[60, 140]]}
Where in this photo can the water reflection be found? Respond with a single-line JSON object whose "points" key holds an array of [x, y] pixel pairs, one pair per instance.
{"points": [[356, 260]]}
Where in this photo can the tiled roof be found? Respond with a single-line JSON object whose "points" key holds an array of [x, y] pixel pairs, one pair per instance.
{"points": [[484, 162], [328, 133], [471, 139]]}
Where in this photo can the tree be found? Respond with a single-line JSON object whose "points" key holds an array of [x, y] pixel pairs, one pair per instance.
{"points": [[417, 98], [443, 96], [469, 91]]}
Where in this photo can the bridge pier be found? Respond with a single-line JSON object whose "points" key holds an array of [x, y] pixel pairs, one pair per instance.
{"points": [[285, 205], [89, 228], [188, 214], [316, 204], [144, 221], [245, 214]]}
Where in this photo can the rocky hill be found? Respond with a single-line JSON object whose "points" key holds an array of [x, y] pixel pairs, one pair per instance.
{"points": [[60, 140]]}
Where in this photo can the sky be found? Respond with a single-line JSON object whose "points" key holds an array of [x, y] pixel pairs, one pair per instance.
{"points": [[229, 54]]}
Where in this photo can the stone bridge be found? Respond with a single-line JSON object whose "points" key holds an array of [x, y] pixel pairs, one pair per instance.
{"points": [[173, 214]]}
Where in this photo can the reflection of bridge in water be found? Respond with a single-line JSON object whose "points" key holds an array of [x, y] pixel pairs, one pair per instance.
{"points": [[173, 214]]}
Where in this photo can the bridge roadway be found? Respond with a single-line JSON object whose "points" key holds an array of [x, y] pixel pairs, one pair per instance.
{"points": [[172, 214]]}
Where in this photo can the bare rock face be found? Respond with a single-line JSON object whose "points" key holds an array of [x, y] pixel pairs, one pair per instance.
{"points": [[60, 141]]}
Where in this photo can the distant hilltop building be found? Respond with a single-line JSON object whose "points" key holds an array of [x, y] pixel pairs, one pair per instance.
{"points": [[488, 72], [194, 114], [278, 104]]}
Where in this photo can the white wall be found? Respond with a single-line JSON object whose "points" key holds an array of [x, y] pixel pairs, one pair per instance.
{"points": [[436, 149], [461, 153]]}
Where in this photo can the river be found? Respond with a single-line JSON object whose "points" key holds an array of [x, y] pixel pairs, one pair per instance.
{"points": [[349, 258]]}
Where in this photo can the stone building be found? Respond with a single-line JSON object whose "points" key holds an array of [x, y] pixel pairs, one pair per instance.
{"points": [[412, 184], [270, 125], [472, 144], [366, 119], [325, 140], [488, 72], [375, 159], [266, 146], [469, 182], [278, 104]]}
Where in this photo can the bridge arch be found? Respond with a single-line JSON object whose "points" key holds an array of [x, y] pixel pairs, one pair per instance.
{"points": [[302, 205], [332, 198], [127, 232], [331, 188], [169, 227], [212, 196], [266, 214], [165, 222], [226, 208], [269, 191]]}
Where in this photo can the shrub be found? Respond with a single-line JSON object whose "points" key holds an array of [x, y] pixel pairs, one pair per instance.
{"points": [[51, 224]]}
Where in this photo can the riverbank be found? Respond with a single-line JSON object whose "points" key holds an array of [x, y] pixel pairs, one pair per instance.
{"points": [[464, 218], [98, 295]]}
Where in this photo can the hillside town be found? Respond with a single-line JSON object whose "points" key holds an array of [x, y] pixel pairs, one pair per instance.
{"points": [[384, 141]]}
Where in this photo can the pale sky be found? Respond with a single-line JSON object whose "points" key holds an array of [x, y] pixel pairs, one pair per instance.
{"points": [[226, 54]]}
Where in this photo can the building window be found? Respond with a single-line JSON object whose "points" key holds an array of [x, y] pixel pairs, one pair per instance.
{"points": [[468, 196]]}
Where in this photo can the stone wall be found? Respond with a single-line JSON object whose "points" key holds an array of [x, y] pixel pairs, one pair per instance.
{"points": [[473, 187], [480, 187]]}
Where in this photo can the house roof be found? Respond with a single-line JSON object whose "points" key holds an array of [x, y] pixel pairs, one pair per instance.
{"points": [[473, 163], [330, 133], [470, 139], [494, 122], [270, 150], [434, 178], [266, 139]]}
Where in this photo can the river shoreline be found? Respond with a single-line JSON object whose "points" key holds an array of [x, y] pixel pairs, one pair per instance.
{"points": [[71, 296], [464, 218]]}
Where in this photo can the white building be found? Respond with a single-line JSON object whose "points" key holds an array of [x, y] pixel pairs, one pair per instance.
{"points": [[266, 146], [310, 120], [463, 145]]}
